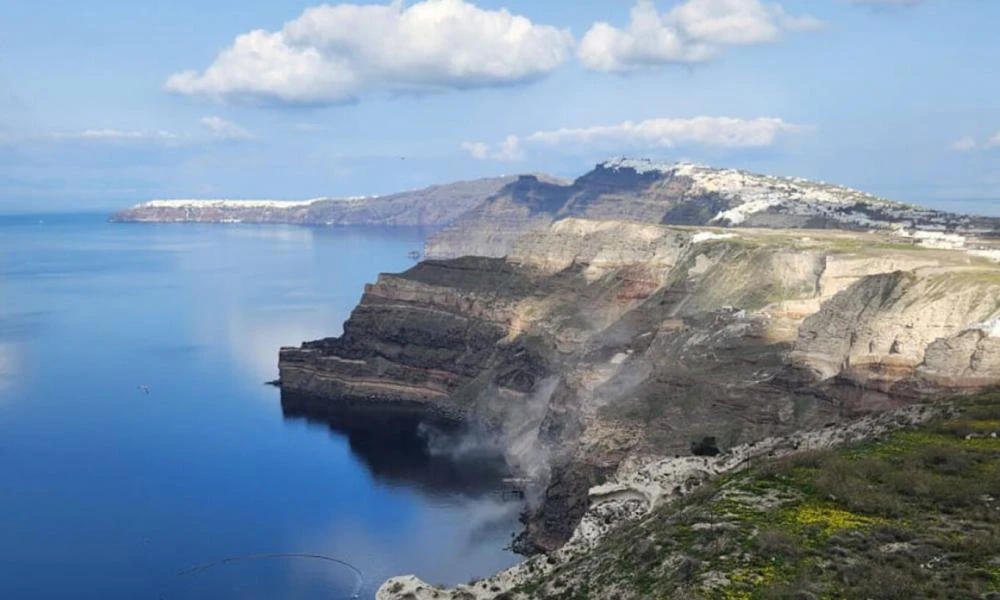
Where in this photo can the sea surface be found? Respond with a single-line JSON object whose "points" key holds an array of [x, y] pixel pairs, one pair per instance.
{"points": [[143, 456]]}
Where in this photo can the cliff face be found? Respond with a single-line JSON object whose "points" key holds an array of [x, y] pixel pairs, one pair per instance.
{"points": [[681, 194], [429, 207], [416, 338], [596, 340]]}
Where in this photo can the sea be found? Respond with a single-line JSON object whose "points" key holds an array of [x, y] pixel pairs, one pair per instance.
{"points": [[143, 455]]}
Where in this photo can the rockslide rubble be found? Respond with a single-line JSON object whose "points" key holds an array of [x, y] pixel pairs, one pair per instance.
{"points": [[642, 484]]}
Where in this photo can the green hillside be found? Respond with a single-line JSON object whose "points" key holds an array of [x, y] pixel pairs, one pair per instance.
{"points": [[915, 514]]}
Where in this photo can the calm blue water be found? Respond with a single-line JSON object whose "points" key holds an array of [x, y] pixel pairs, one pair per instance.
{"points": [[109, 492]]}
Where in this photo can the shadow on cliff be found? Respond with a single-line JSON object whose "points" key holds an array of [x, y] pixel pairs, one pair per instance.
{"points": [[407, 447]]}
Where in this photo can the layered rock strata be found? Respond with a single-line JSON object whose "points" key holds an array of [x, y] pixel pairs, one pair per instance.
{"points": [[594, 341]]}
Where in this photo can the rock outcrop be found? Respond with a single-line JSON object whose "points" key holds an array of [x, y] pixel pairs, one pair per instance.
{"points": [[597, 340], [683, 194]]}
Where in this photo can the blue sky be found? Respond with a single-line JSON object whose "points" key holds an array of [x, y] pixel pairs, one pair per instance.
{"points": [[108, 103]]}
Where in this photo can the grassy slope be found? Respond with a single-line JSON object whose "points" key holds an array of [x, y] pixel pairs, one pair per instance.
{"points": [[913, 515]]}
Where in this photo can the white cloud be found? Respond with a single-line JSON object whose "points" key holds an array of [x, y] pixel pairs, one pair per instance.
{"points": [[724, 132], [222, 129], [964, 144], [478, 150], [337, 53], [509, 149], [994, 141], [692, 32]]}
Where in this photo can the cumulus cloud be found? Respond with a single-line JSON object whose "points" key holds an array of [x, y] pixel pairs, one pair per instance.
{"points": [[478, 150], [964, 144], [722, 132], [222, 129], [333, 54], [994, 141], [509, 149], [694, 31]]}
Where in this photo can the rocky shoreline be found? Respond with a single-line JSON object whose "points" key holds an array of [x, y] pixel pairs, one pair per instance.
{"points": [[642, 485]]}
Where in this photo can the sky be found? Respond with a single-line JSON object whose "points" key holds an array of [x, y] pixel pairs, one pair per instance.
{"points": [[107, 103]]}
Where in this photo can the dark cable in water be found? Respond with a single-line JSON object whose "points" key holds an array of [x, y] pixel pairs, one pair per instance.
{"points": [[359, 576]]}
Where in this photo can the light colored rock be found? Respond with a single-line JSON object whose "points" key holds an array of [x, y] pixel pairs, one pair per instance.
{"points": [[878, 330], [601, 246]]}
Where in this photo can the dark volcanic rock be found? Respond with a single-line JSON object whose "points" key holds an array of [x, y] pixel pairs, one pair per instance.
{"points": [[414, 341]]}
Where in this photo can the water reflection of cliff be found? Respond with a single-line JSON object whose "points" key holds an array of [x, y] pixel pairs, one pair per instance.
{"points": [[404, 447]]}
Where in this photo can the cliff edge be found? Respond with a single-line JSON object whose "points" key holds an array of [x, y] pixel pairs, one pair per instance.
{"points": [[593, 348], [594, 341]]}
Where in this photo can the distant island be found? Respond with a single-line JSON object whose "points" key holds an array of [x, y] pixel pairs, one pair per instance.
{"points": [[432, 206]]}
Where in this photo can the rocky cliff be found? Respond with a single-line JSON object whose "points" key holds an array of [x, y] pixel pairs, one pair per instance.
{"points": [[682, 194], [429, 207], [594, 341]]}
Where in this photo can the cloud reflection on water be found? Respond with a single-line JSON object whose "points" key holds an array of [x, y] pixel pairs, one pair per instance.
{"points": [[9, 365], [427, 545], [254, 338], [467, 519]]}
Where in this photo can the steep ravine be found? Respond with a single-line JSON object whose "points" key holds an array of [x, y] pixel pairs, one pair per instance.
{"points": [[593, 342]]}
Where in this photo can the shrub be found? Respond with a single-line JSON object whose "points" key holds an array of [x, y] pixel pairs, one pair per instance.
{"points": [[887, 583], [945, 459], [777, 543], [786, 465], [855, 485]]}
